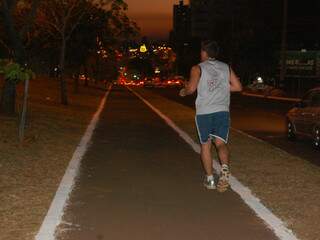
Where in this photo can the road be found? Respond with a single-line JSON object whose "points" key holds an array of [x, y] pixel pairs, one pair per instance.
{"points": [[261, 118], [140, 181]]}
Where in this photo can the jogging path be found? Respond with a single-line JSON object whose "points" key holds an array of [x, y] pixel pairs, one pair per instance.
{"points": [[140, 181]]}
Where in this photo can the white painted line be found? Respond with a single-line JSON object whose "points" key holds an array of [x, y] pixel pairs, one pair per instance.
{"points": [[56, 210], [272, 221], [271, 97]]}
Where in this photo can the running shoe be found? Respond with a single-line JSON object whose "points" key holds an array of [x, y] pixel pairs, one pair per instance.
{"points": [[223, 183], [209, 184]]}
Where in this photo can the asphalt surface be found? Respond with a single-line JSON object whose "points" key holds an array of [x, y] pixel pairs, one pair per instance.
{"points": [[140, 181], [261, 118]]}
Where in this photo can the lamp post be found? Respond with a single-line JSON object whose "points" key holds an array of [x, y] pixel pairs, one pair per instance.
{"points": [[283, 69]]}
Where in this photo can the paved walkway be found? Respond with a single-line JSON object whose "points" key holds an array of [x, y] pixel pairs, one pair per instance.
{"points": [[140, 181]]}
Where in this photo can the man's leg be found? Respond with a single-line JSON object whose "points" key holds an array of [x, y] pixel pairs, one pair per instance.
{"points": [[207, 158], [207, 165], [223, 153]]}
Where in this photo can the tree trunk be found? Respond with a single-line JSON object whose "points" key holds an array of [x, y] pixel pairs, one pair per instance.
{"points": [[76, 83], [16, 42], [63, 82], [86, 80], [24, 111], [8, 98]]}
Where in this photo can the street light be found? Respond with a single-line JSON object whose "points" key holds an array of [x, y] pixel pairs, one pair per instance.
{"points": [[143, 48]]}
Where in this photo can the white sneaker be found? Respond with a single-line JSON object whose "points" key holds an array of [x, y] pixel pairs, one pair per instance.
{"points": [[209, 184]]}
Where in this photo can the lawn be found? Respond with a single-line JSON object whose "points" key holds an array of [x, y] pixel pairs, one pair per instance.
{"points": [[30, 171]]}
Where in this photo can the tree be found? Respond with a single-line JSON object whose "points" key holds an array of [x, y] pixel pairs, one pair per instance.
{"points": [[14, 72], [66, 32], [76, 20], [13, 41], [60, 18]]}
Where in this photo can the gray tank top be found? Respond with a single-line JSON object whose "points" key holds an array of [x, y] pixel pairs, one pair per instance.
{"points": [[213, 88]]}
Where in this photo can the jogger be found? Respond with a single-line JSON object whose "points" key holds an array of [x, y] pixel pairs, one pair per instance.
{"points": [[213, 80]]}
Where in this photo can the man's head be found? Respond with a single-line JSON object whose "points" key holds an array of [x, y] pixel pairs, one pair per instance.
{"points": [[209, 49]]}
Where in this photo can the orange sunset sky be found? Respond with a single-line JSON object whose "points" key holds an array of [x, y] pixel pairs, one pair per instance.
{"points": [[154, 17]]}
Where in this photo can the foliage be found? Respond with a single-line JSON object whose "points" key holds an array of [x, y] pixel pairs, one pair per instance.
{"points": [[40, 25], [87, 21], [14, 72]]}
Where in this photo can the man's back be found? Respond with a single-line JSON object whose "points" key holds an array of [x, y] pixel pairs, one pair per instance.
{"points": [[213, 87]]}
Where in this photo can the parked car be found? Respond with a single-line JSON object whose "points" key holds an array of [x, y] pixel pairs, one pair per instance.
{"points": [[304, 118]]}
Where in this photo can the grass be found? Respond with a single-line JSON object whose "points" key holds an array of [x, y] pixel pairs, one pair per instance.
{"points": [[286, 184], [30, 172]]}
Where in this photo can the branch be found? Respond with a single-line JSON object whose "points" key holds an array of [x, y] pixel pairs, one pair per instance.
{"points": [[53, 26], [5, 45], [77, 21], [30, 18]]}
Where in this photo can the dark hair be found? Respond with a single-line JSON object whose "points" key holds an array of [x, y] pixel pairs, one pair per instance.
{"points": [[210, 47]]}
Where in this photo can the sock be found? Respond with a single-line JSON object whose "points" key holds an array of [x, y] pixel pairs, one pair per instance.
{"points": [[210, 178]]}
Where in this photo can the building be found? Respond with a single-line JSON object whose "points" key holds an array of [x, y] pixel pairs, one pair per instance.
{"points": [[201, 18], [180, 37], [181, 22]]}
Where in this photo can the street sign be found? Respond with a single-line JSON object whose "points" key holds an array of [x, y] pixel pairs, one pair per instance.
{"points": [[303, 64]]}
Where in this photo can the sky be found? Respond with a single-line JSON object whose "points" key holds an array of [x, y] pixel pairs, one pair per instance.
{"points": [[154, 17]]}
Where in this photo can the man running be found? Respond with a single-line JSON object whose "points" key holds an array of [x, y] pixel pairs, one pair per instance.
{"points": [[213, 80]]}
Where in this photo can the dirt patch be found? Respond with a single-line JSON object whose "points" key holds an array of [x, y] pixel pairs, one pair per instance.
{"points": [[30, 172], [286, 184]]}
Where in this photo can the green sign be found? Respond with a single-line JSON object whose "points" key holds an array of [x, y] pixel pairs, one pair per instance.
{"points": [[303, 63]]}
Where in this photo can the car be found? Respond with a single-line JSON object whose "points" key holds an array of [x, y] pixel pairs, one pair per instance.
{"points": [[153, 82], [304, 118], [83, 77], [157, 83], [130, 83], [148, 83], [173, 83]]}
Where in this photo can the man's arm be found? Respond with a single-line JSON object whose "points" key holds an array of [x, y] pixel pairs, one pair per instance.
{"points": [[235, 84], [192, 84]]}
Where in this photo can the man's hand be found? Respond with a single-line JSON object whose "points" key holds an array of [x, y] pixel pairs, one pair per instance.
{"points": [[182, 92], [192, 84]]}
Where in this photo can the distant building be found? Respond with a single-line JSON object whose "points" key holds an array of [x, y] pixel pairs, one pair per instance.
{"points": [[201, 18], [180, 37], [181, 22]]}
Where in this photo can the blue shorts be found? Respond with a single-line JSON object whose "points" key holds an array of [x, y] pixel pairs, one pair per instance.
{"points": [[213, 125]]}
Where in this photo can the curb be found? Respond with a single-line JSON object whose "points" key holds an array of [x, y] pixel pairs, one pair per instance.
{"points": [[271, 97]]}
